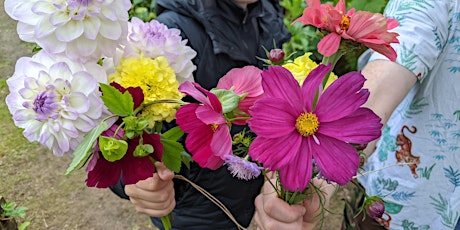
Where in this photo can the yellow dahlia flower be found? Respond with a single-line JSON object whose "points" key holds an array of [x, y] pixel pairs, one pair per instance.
{"points": [[157, 80], [301, 67]]}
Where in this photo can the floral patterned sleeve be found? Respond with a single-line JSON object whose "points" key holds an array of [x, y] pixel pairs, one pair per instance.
{"points": [[423, 33]]}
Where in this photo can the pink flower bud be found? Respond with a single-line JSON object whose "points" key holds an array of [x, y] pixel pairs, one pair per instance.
{"points": [[375, 208], [276, 55]]}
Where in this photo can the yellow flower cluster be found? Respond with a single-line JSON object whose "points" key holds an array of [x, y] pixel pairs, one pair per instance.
{"points": [[302, 66], [157, 80]]}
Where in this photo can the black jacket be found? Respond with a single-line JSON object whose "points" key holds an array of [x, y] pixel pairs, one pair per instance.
{"points": [[224, 36]]}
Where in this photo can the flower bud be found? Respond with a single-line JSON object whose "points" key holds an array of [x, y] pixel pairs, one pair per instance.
{"points": [[375, 208], [276, 56]]}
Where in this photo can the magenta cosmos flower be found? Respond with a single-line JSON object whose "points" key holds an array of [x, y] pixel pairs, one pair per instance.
{"points": [[208, 138], [369, 29], [292, 131], [246, 80]]}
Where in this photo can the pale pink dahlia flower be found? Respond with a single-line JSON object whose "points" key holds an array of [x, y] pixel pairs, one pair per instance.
{"points": [[292, 131], [81, 29], [56, 101], [154, 39]]}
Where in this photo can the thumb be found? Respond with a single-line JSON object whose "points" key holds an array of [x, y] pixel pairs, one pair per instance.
{"points": [[163, 172]]}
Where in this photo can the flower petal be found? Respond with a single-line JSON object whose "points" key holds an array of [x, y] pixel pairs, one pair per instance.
{"points": [[221, 143], [329, 44], [104, 174], [337, 160], [344, 96], [198, 143], [278, 82], [272, 112], [276, 153], [297, 175], [361, 127], [186, 118], [312, 84], [209, 116]]}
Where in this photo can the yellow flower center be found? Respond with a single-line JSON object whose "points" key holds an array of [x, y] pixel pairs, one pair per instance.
{"points": [[307, 124], [345, 23], [214, 127]]}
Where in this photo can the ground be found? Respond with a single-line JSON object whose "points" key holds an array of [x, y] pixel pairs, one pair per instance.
{"points": [[31, 176]]}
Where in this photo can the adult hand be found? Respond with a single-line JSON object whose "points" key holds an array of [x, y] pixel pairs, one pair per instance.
{"points": [[154, 196], [274, 213]]}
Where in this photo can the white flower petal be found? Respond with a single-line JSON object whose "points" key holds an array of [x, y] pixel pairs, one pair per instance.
{"points": [[110, 30], [91, 26], [51, 44], [59, 18], [70, 31], [79, 102], [43, 8]]}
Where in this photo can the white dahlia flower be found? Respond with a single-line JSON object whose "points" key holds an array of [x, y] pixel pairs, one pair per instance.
{"points": [[81, 29], [55, 100]]}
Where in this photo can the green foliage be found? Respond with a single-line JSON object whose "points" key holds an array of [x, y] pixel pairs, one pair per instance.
{"points": [[83, 150], [120, 104], [143, 9], [10, 210], [173, 153]]}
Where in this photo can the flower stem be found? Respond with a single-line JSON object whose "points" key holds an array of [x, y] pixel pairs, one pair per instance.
{"points": [[333, 59]]}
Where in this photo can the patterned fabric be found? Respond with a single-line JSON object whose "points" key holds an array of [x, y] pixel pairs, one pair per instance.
{"points": [[425, 128]]}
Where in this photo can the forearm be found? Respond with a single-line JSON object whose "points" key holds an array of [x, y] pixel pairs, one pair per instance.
{"points": [[388, 84]]}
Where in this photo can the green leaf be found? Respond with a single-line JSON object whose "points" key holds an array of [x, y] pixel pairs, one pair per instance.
{"points": [[173, 134], [172, 154], [112, 149], [228, 98], [186, 158], [84, 148], [24, 225], [374, 6], [118, 103]]}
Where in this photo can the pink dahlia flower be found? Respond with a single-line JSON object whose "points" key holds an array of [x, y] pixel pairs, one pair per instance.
{"points": [[246, 80], [292, 131], [208, 138], [369, 29], [154, 39], [80, 29], [132, 169]]}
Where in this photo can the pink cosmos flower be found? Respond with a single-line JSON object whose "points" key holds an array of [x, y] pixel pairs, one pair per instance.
{"points": [[369, 29], [244, 80], [208, 138], [292, 131]]}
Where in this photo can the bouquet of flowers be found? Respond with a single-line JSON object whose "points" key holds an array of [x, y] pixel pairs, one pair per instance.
{"points": [[306, 122], [101, 87]]}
